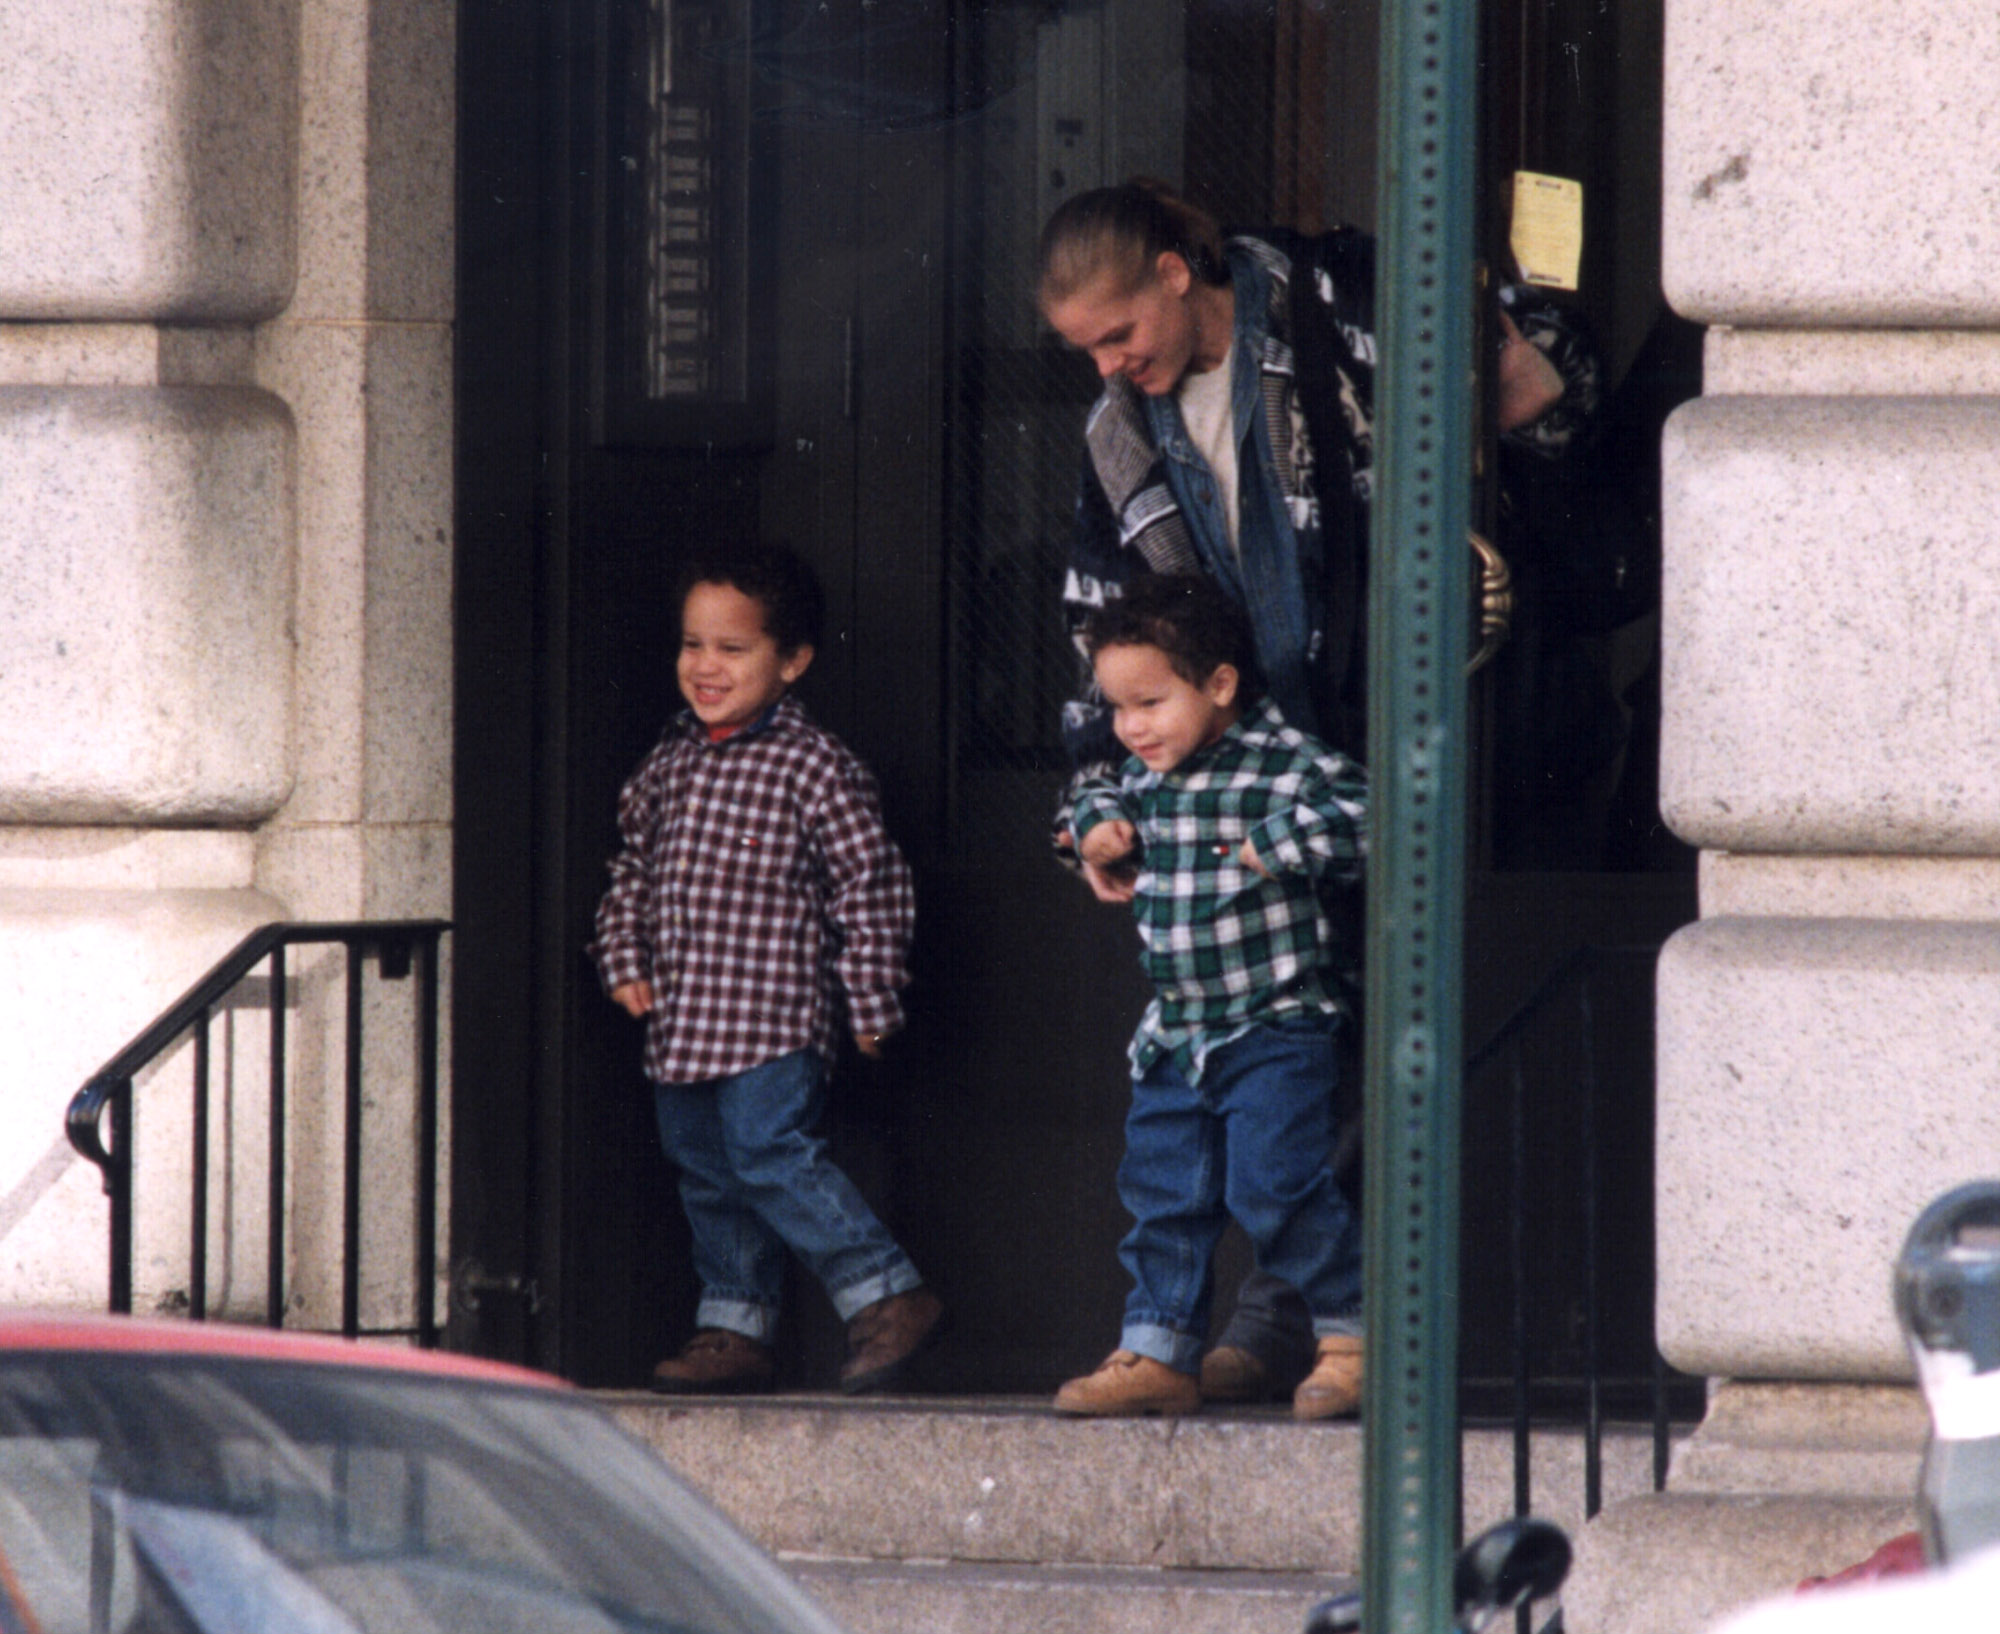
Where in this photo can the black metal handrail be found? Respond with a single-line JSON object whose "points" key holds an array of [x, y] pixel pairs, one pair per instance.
{"points": [[398, 946], [1575, 974]]}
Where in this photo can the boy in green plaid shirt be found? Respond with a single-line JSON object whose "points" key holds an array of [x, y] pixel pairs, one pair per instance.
{"points": [[1229, 823]]}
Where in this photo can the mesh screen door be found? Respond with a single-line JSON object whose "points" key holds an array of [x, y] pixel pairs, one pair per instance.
{"points": [[1059, 98]]}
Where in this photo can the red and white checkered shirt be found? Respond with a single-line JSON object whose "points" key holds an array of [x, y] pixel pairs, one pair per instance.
{"points": [[756, 886]]}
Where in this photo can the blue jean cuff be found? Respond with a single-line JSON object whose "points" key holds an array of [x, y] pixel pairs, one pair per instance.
{"points": [[1180, 1351], [1352, 1327], [758, 1322], [856, 1297]]}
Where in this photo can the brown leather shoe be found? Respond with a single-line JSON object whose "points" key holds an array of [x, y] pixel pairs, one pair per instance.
{"points": [[1126, 1385], [1333, 1388], [716, 1362], [885, 1337], [1230, 1373]]}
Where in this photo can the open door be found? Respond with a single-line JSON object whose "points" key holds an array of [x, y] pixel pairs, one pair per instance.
{"points": [[763, 269]]}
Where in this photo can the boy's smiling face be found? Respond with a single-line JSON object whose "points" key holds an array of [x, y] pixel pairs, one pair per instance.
{"points": [[730, 669], [1158, 713]]}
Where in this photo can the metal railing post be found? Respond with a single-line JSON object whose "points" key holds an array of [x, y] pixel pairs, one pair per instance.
{"points": [[394, 944], [198, 1189], [118, 1183], [1418, 630], [274, 1198], [427, 1141], [350, 1204], [1593, 1381], [1517, 1275]]}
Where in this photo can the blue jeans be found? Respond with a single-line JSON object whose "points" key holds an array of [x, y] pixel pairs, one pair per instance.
{"points": [[755, 1179], [1252, 1141]]}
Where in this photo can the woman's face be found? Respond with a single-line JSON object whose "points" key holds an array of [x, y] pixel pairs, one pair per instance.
{"points": [[1145, 334]]}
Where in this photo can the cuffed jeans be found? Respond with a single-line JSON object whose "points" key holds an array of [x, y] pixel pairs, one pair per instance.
{"points": [[755, 1179], [1253, 1141]]}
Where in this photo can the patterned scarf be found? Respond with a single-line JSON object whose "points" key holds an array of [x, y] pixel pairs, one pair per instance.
{"points": [[1277, 572]]}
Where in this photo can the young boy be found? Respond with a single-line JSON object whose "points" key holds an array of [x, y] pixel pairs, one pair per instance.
{"points": [[756, 890], [1230, 817]]}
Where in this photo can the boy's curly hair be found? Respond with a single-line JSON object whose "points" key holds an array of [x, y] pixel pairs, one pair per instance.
{"points": [[1188, 618], [774, 576]]}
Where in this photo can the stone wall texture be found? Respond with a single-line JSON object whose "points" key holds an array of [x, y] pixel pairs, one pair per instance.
{"points": [[1831, 584], [225, 526], [1827, 1035], [1830, 164], [149, 158], [146, 541], [1830, 1077]]}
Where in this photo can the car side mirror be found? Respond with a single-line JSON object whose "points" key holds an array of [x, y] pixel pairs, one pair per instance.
{"points": [[1947, 1290]]}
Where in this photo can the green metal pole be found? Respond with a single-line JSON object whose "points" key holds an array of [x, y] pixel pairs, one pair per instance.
{"points": [[1418, 627]]}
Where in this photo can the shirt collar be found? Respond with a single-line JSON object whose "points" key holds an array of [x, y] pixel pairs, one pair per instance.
{"points": [[1259, 720], [786, 711], [1263, 718]]}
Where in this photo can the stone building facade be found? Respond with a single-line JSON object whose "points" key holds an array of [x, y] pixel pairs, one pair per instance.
{"points": [[225, 511], [1829, 1031]]}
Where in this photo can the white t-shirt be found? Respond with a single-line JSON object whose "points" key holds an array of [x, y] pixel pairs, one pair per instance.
{"points": [[1206, 410]]}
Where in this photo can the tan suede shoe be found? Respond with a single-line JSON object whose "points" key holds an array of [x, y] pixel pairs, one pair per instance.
{"points": [[1333, 1388], [1230, 1373], [1125, 1385]]}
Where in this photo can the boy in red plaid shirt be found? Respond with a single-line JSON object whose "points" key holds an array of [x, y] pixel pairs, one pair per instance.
{"points": [[756, 889]]}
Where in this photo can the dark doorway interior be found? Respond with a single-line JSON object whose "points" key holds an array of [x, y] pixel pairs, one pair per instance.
{"points": [[760, 269]]}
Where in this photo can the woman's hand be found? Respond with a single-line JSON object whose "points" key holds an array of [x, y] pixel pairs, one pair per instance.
{"points": [[1250, 860], [1529, 384]]}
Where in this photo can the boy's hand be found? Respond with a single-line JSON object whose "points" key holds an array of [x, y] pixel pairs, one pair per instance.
{"points": [[1107, 843], [1111, 884], [1107, 856], [1107, 883], [1250, 860], [870, 1044], [634, 998]]}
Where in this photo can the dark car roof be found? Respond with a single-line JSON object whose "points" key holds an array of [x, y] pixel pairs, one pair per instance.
{"points": [[66, 1331]]}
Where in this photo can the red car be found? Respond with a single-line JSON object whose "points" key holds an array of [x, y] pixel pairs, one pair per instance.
{"points": [[185, 1478]]}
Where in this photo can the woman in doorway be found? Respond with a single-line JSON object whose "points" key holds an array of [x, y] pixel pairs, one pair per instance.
{"points": [[1233, 439]]}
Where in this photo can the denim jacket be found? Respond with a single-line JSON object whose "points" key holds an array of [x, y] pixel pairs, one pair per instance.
{"points": [[1305, 347]]}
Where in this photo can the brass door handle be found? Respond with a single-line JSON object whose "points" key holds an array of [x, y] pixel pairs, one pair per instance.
{"points": [[1496, 601]]}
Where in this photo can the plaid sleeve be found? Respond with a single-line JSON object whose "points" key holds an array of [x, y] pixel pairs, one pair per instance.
{"points": [[871, 901], [1098, 800], [1324, 830], [625, 931]]}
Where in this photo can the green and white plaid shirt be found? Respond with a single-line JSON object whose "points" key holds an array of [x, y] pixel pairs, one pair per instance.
{"points": [[1228, 950]]}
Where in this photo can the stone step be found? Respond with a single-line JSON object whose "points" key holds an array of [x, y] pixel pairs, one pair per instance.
{"points": [[873, 1597], [1003, 1481]]}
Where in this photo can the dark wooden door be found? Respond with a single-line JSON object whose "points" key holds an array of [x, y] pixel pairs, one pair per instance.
{"points": [[820, 428]]}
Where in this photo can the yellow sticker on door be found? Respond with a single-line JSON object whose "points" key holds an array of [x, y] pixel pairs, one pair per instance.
{"points": [[1547, 234]]}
